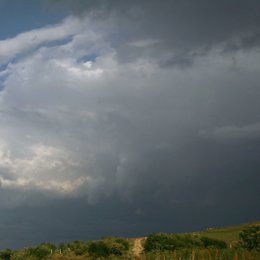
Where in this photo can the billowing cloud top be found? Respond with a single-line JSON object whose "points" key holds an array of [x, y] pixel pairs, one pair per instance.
{"points": [[148, 110]]}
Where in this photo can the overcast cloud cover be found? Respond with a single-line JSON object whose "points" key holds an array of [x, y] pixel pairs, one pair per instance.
{"points": [[129, 117]]}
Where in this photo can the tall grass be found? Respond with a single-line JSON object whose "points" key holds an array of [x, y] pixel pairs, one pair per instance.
{"points": [[182, 254], [203, 254]]}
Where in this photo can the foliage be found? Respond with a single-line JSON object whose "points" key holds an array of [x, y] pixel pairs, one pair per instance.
{"points": [[20, 255], [162, 241], [98, 249], [228, 234], [250, 238], [123, 242], [78, 247], [108, 246], [205, 254], [62, 246], [171, 242], [6, 254], [213, 243], [205, 245], [40, 252]]}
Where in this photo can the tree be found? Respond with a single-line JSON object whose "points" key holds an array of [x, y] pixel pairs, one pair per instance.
{"points": [[171, 242], [250, 238], [78, 247], [62, 247], [108, 246], [40, 252], [98, 249], [6, 254]]}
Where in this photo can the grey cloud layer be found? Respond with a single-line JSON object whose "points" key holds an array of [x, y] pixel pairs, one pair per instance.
{"points": [[183, 30], [102, 135]]}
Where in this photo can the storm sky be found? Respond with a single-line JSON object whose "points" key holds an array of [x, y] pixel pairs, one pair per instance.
{"points": [[127, 117]]}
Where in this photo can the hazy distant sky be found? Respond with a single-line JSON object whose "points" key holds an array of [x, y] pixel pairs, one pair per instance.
{"points": [[127, 117]]}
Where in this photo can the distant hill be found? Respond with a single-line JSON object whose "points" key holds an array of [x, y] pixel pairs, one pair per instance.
{"points": [[206, 244], [228, 234]]}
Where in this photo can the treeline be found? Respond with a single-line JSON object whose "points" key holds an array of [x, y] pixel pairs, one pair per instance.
{"points": [[196, 247], [249, 239], [111, 246], [172, 242], [156, 246]]}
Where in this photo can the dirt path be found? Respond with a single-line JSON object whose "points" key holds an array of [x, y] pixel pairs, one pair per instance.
{"points": [[138, 247]]}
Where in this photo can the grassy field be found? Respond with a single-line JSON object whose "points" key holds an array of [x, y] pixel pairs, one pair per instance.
{"points": [[228, 234]]}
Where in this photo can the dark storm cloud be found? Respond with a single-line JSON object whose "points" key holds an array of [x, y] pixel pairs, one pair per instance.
{"points": [[183, 153], [163, 149], [183, 28]]}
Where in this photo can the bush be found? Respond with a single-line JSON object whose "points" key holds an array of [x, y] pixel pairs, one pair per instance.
{"points": [[40, 252], [108, 246], [78, 247], [98, 249], [170, 242], [6, 254], [20, 255], [115, 248], [157, 242], [123, 242], [213, 243], [250, 238]]}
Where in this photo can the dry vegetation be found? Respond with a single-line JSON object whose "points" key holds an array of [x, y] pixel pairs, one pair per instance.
{"points": [[211, 244]]}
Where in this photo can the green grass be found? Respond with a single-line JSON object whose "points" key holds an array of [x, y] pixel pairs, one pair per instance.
{"points": [[228, 234], [203, 254]]}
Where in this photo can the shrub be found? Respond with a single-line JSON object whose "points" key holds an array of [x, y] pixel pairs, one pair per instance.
{"points": [[6, 254], [78, 247], [108, 246], [170, 242], [250, 238], [123, 242], [213, 243], [20, 255], [156, 242], [98, 249], [40, 252]]}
